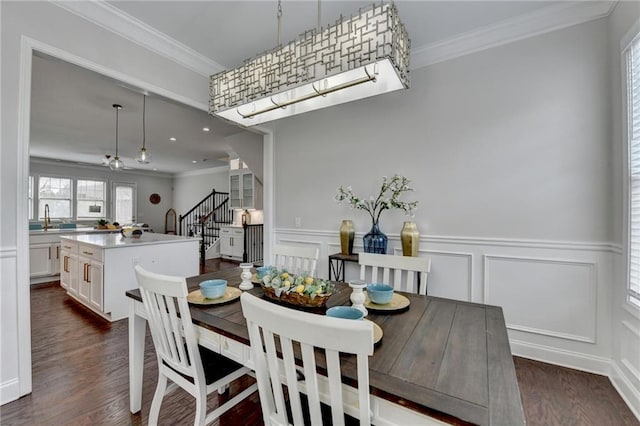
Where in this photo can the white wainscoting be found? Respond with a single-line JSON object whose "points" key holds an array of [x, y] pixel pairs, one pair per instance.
{"points": [[566, 290], [9, 380], [555, 295]]}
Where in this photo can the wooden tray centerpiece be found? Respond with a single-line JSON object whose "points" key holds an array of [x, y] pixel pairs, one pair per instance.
{"points": [[299, 290]]}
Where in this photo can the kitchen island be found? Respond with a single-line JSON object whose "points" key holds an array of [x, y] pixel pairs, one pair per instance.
{"points": [[97, 269]]}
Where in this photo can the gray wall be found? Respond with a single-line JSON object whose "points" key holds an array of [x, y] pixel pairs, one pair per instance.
{"points": [[511, 142], [190, 188]]}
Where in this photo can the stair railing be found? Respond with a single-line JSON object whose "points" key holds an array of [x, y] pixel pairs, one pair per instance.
{"points": [[253, 243], [204, 219]]}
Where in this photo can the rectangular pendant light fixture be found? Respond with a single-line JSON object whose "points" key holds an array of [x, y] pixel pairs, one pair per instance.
{"points": [[355, 58]]}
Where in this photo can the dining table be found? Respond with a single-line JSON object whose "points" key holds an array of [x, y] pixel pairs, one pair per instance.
{"points": [[439, 361]]}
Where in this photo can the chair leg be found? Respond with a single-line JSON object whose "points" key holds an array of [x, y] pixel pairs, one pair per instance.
{"points": [[201, 409], [157, 400]]}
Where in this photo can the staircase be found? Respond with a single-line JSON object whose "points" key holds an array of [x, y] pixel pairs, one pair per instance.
{"points": [[205, 218]]}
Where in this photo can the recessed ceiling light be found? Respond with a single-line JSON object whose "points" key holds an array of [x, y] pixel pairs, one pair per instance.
{"points": [[205, 129], [194, 161], [172, 139]]}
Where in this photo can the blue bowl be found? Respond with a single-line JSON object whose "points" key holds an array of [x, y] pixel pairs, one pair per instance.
{"points": [[213, 289], [345, 312], [380, 294]]}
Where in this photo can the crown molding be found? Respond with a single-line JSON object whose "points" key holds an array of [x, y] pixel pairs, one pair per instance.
{"points": [[122, 24], [542, 21]]}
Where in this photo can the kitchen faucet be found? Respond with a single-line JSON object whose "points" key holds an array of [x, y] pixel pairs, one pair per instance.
{"points": [[47, 218]]}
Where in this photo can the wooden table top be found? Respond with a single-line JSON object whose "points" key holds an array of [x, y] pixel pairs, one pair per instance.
{"points": [[448, 359]]}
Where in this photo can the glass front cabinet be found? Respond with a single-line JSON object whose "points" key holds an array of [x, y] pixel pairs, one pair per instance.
{"points": [[242, 189]]}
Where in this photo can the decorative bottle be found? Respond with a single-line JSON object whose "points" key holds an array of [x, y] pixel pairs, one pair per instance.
{"points": [[410, 238], [347, 233]]}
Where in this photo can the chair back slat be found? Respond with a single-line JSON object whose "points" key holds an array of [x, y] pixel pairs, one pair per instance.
{"points": [[296, 259], [401, 272], [169, 318], [312, 333], [274, 371], [311, 382], [335, 384], [292, 379]]}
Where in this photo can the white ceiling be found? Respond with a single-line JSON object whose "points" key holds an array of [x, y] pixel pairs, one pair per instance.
{"points": [[72, 113]]}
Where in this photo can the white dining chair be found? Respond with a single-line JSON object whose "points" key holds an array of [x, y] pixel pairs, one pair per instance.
{"points": [[296, 259], [188, 365], [275, 365], [404, 273]]}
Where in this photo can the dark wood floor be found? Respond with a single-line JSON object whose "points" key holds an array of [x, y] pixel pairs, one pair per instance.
{"points": [[80, 377]]}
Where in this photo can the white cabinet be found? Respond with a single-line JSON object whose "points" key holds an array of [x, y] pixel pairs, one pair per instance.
{"points": [[69, 267], [55, 258], [242, 189], [82, 273], [90, 276], [44, 259], [232, 242], [40, 260]]}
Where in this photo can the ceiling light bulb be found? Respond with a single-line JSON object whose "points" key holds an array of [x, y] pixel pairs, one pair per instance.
{"points": [[116, 164], [143, 157], [205, 129], [194, 161], [172, 139]]}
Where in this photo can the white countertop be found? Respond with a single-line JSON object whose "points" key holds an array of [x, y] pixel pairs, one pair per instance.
{"points": [[107, 241]]}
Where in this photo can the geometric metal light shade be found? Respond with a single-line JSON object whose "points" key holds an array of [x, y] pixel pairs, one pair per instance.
{"points": [[355, 58]]}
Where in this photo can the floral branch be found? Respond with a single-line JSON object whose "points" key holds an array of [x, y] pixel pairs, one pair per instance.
{"points": [[388, 198]]}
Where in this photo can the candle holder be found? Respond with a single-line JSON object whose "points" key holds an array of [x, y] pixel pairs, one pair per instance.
{"points": [[357, 295], [246, 283]]}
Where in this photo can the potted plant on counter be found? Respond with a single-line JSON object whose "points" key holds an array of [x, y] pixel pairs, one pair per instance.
{"points": [[102, 224]]}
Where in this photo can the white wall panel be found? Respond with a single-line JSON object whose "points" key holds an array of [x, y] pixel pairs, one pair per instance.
{"points": [[9, 362], [630, 350], [547, 289], [545, 296], [450, 275]]}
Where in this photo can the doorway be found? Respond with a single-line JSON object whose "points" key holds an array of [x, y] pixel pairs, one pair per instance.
{"points": [[30, 47]]}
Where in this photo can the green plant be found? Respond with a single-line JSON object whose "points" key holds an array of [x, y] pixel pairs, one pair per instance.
{"points": [[102, 222]]}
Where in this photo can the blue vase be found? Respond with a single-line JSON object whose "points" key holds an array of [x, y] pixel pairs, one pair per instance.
{"points": [[375, 241]]}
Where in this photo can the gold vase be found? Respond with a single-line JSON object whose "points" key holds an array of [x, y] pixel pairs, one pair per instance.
{"points": [[347, 233], [410, 238]]}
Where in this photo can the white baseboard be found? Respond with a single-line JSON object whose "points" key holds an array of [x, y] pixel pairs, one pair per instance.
{"points": [[625, 388], [563, 358], [9, 391]]}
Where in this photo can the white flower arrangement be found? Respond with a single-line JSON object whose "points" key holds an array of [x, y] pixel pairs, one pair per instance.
{"points": [[387, 199]]}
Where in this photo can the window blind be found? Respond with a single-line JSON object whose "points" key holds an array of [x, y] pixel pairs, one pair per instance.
{"points": [[633, 110]]}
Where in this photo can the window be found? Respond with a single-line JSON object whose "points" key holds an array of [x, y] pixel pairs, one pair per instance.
{"points": [[30, 207], [633, 134], [124, 202], [90, 199], [56, 193]]}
